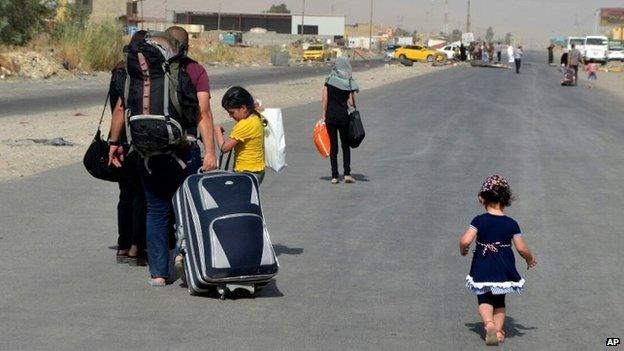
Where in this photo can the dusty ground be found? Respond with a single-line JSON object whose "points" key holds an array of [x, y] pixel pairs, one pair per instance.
{"points": [[21, 158]]}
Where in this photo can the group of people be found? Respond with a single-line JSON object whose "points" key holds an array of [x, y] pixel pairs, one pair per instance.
{"points": [[490, 53], [573, 59], [145, 213], [146, 217]]}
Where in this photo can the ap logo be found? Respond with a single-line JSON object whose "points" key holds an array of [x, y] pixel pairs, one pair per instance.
{"points": [[613, 342]]}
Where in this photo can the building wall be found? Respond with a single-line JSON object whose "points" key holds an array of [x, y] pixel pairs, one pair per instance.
{"points": [[236, 22], [327, 25], [362, 30], [107, 9]]}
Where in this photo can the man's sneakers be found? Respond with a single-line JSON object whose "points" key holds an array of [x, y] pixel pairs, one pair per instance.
{"points": [[349, 179]]}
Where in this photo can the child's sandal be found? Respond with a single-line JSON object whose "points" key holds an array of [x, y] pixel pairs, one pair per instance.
{"points": [[500, 335], [491, 338]]}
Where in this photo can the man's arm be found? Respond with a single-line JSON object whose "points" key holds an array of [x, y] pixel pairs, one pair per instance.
{"points": [[324, 103], [205, 128], [115, 152]]}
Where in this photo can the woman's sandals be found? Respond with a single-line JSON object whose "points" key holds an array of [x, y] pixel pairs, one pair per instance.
{"points": [[491, 338]]}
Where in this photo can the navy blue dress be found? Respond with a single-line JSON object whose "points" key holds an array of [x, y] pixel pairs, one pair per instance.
{"points": [[493, 266]]}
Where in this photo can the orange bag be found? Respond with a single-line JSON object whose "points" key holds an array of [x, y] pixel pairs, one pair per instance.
{"points": [[321, 139]]}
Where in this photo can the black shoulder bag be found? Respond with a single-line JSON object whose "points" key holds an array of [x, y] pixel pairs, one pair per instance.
{"points": [[356, 128], [95, 159]]}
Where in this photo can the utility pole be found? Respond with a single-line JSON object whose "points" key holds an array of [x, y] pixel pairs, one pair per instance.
{"points": [[370, 32], [303, 23], [596, 25], [468, 19], [219, 17], [445, 29]]}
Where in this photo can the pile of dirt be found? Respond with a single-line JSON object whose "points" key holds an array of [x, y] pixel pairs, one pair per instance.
{"points": [[613, 66], [30, 64]]}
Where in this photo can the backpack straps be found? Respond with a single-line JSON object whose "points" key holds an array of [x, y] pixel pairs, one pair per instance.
{"points": [[173, 75], [146, 83]]}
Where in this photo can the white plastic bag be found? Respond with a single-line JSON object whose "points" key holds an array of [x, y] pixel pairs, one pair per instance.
{"points": [[274, 139]]}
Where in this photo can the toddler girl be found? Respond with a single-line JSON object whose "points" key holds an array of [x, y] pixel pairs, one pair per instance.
{"points": [[592, 69], [493, 273]]}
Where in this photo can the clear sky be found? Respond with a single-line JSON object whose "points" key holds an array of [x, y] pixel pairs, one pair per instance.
{"points": [[534, 21]]}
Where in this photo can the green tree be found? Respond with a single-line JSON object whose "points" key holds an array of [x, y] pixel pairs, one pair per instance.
{"points": [[281, 8], [489, 34], [20, 20], [456, 35], [400, 32], [508, 38]]}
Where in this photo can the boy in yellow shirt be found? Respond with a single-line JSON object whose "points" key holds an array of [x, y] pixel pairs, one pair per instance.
{"points": [[247, 136]]}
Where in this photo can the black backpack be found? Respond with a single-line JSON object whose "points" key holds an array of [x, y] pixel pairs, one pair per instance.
{"points": [[160, 99]]}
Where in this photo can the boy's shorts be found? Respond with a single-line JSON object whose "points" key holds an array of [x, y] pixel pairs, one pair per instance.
{"points": [[592, 76]]}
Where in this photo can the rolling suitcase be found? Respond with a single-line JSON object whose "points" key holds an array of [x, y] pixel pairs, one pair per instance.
{"points": [[568, 76], [226, 242]]}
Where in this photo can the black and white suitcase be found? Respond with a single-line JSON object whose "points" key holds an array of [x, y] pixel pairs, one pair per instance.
{"points": [[568, 77], [226, 242]]}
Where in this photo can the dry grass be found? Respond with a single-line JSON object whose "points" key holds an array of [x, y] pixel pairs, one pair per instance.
{"points": [[203, 51], [97, 47]]}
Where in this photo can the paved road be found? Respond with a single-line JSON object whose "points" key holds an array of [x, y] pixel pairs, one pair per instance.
{"points": [[33, 97], [369, 266]]}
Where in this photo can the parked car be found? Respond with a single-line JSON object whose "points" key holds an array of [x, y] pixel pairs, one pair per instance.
{"points": [[579, 43], [419, 53], [615, 53], [316, 53], [389, 53], [449, 50], [596, 48]]}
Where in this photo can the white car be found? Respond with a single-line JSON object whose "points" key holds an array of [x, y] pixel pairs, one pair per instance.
{"points": [[449, 51], [615, 53], [596, 48]]}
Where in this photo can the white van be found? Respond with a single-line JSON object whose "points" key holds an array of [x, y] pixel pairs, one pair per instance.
{"points": [[596, 48], [579, 43]]}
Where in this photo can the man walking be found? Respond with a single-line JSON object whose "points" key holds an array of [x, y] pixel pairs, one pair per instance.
{"points": [[499, 52], [574, 59], [518, 54]]}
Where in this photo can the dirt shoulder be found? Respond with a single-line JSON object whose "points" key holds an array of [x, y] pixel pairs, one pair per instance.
{"points": [[21, 157]]}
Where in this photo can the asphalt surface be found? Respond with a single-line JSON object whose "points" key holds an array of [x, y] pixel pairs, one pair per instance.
{"points": [[369, 266], [33, 97]]}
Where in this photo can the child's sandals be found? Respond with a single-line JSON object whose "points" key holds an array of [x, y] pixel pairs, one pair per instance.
{"points": [[500, 335], [491, 337]]}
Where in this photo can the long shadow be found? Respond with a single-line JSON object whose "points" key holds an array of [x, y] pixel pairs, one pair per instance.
{"points": [[358, 177], [285, 250], [512, 328]]}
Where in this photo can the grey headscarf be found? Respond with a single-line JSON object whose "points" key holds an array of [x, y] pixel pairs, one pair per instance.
{"points": [[341, 75]]}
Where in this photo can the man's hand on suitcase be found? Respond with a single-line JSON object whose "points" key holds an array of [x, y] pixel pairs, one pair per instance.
{"points": [[210, 163]]}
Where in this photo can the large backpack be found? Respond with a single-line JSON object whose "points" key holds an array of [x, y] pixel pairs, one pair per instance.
{"points": [[160, 100]]}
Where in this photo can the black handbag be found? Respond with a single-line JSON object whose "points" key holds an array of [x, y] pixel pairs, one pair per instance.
{"points": [[95, 159], [356, 129]]}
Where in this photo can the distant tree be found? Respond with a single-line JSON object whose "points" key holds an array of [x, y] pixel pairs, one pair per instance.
{"points": [[508, 38], [456, 35], [20, 20], [281, 8], [489, 34], [400, 32]]}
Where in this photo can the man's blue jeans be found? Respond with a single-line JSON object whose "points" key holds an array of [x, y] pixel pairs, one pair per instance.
{"points": [[160, 186]]}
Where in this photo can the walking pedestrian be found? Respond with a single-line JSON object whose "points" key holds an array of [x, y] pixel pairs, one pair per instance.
{"points": [[247, 136], [574, 59], [493, 270], [462, 53], [338, 96], [518, 54], [510, 52], [592, 73], [131, 206], [499, 52], [165, 172], [551, 54]]}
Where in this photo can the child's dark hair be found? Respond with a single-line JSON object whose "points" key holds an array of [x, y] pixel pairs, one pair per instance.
{"points": [[237, 97], [497, 195]]}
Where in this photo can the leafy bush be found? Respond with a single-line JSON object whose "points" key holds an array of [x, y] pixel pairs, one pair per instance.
{"points": [[20, 20]]}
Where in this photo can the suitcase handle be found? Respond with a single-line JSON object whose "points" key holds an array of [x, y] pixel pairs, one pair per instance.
{"points": [[227, 162]]}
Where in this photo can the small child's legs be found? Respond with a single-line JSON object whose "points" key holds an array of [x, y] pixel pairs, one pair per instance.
{"points": [[492, 309]]}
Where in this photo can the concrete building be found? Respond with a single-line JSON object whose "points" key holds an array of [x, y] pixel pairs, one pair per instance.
{"points": [[320, 25], [101, 10]]}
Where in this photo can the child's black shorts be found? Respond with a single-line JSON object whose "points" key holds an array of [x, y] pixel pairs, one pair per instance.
{"points": [[498, 301]]}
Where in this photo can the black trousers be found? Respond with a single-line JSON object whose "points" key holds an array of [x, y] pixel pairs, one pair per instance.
{"points": [[499, 56], [497, 301], [131, 207], [333, 130], [518, 65]]}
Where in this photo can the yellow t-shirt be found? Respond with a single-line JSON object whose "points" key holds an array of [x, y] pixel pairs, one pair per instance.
{"points": [[249, 149]]}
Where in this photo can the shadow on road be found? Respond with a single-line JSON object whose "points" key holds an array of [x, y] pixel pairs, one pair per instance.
{"points": [[285, 250], [512, 329], [358, 177]]}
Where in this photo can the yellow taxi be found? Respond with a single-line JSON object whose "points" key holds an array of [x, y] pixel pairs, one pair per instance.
{"points": [[419, 53], [316, 53]]}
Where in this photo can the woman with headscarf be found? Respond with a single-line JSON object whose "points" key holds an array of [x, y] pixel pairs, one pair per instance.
{"points": [[338, 95]]}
